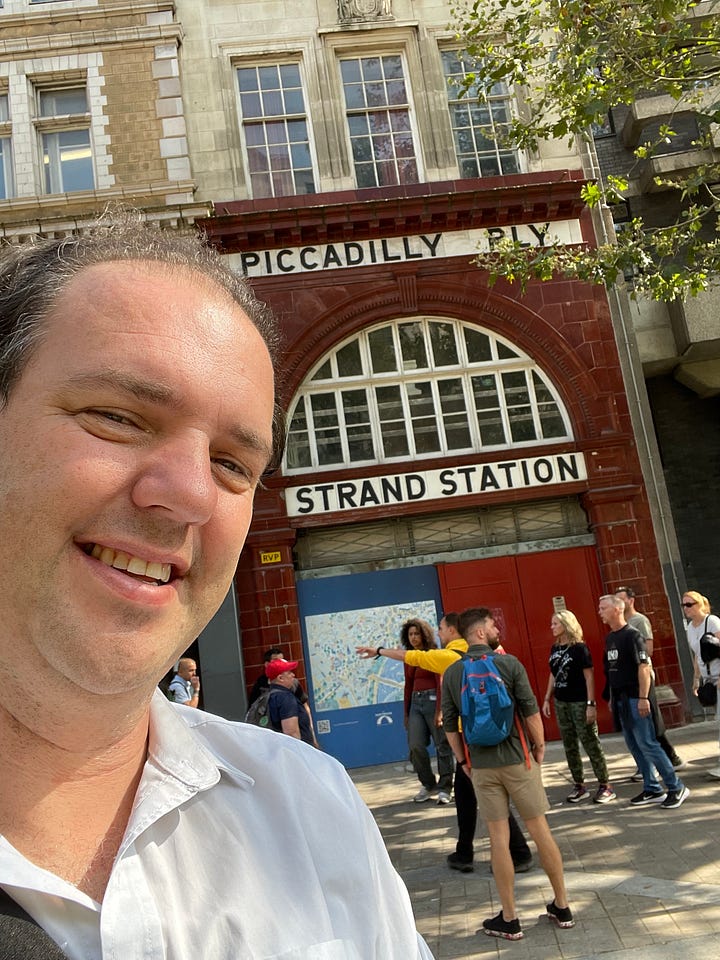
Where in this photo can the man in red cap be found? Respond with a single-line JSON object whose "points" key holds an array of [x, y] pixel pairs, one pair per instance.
{"points": [[285, 712]]}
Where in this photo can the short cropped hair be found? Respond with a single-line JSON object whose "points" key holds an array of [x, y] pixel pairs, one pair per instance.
{"points": [[35, 274], [471, 616], [616, 602], [626, 590], [452, 620], [273, 653]]}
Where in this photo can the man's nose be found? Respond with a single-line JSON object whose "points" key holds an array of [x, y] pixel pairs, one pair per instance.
{"points": [[177, 478]]}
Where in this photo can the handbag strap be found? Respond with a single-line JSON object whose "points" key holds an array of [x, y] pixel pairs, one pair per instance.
{"points": [[706, 662], [21, 938]]}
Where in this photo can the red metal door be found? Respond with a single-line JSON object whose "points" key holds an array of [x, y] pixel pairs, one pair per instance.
{"points": [[520, 591]]}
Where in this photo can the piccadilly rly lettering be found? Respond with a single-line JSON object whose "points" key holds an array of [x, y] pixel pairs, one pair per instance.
{"points": [[450, 482], [364, 253], [334, 255]]}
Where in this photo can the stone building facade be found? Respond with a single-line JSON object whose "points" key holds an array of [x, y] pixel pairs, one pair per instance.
{"points": [[91, 113]]}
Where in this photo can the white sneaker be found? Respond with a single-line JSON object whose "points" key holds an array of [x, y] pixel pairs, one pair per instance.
{"points": [[443, 797], [422, 795], [715, 772]]}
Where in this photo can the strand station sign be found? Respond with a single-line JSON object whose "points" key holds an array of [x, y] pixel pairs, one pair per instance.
{"points": [[422, 246], [444, 484]]}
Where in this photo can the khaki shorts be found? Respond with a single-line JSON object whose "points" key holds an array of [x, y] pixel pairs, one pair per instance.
{"points": [[494, 785]]}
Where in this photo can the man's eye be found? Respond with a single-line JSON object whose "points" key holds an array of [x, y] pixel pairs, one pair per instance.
{"points": [[235, 469], [111, 415]]}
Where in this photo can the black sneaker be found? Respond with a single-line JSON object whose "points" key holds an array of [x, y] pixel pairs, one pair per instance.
{"points": [[456, 862], [562, 916], [500, 927], [647, 796], [675, 798], [522, 866]]}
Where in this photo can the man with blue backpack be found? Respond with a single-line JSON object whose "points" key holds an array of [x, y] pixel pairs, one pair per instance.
{"points": [[502, 728]]}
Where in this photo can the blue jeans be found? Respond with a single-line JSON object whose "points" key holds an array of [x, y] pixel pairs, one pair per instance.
{"points": [[641, 740]]}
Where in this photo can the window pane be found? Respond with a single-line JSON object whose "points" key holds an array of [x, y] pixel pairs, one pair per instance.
{"points": [[487, 406], [520, 414], [522, 427], [7, 187], [444, 347], [478, 346], [551, 421], [505, 352], [67, 161], [4, 109], [324, 372], [392, 422], [326, 428], [422, 413], [455, 421], [357, 420], [382, 350], [349, 363], [298, 443], [412, 345], [54, 103]]}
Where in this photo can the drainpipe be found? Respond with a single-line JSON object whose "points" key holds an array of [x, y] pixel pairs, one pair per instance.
{"points": [[641, 417]]}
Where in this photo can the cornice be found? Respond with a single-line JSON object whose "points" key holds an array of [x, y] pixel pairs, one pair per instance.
{"points": [[395, 211]]}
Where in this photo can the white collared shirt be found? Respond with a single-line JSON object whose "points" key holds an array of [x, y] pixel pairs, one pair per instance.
{"points": [[243, 844]]}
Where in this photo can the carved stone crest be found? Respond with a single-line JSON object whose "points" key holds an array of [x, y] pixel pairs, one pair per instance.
{"points": [[349, 10]]}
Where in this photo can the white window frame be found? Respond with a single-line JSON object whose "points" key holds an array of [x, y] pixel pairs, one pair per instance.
{"points": [[363, 53], [8, 166], [277, 60], [48, 129], [463, 370], [507, 96]]}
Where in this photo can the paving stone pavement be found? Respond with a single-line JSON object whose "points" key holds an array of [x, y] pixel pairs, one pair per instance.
{"points": [[643, 882]]}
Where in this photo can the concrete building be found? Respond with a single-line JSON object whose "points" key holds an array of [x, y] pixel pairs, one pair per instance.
{"points": [[450, 443]]}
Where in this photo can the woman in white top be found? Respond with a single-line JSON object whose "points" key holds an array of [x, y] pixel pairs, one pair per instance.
{"points": [[696, 609]]}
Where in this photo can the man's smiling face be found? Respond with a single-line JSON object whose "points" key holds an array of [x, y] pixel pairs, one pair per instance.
{"points": [[132, 445]]}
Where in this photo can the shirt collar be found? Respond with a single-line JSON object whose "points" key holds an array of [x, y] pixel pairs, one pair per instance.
{"points": [[175, 747]]}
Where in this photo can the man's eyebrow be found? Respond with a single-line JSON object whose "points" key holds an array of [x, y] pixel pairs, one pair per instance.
{"points": [[148, 390], [158, 393]]}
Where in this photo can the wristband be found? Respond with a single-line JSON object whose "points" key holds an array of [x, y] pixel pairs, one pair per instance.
{"points": [[591, 703], [378, 652]]}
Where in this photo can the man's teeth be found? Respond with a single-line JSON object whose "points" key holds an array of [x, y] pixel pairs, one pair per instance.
{"points": [[135, 565]]}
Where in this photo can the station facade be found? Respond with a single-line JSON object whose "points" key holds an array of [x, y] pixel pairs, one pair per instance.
{"points": [[450, 443]]}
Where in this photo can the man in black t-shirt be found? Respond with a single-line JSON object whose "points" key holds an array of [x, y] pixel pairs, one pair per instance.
{"points": [[627, 668]]}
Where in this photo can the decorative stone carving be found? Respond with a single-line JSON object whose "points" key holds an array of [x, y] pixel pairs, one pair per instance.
{"points": [[353, 10]]}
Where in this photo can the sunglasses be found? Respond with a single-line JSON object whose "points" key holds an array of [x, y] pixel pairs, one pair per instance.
{"points": [[690, 604]]}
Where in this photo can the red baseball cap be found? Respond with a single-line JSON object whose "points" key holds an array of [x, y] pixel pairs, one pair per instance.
{"points": [[274, 668]]}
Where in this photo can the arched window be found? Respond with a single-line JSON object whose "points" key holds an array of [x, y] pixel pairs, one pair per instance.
{"points": [[425, 387]]}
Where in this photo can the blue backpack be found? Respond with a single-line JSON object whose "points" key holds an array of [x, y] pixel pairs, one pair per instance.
{"points": [[486, 708]]}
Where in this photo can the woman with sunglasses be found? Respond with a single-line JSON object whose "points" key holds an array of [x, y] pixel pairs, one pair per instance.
{"points": [[696, 609]]}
